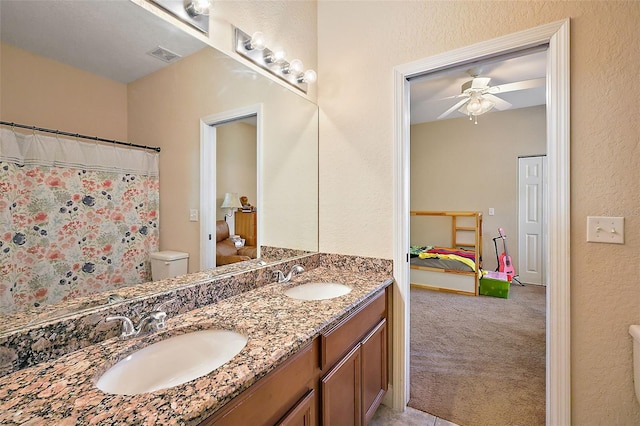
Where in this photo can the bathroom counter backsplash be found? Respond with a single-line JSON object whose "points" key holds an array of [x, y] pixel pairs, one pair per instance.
{"points": [[62, 391], [31, 344], [30, 317]]}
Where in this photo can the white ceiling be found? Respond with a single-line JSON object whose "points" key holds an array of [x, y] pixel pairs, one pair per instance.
{"points": [[427, 92], [107, 38]]}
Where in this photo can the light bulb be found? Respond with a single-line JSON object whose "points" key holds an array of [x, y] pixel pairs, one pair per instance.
{"points": [[296, 67], [474, 106], [309, 76], [256, 43], [279, 56], [275, 57], [198, 7]]}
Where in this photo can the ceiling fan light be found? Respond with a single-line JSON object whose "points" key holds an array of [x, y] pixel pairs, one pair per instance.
{"points": [[474, 107]]}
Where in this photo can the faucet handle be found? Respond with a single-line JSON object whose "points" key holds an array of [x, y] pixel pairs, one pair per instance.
{"points": [[127, 325], [159, 318], [279, 274]]}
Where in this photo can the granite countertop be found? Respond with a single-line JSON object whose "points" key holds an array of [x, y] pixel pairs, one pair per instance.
{"points": [[63, 391]]}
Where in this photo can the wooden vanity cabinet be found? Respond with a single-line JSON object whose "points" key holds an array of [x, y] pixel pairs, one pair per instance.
{"points": [[285, 396], [337, 379], [354, 356]]}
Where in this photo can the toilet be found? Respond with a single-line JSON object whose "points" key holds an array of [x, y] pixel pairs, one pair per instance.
{"points": [[167, 264], [634, 330]]}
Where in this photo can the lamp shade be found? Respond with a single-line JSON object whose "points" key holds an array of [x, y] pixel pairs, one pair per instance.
{"points": [[231, 201]]}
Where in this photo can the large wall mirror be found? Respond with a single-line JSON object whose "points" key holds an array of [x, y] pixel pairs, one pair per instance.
{"points": [[150, 102]]}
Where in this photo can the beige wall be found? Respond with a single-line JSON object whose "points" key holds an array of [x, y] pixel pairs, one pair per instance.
{"points": [[236, 165], [39, 91], [457, 165], [359, 43]]}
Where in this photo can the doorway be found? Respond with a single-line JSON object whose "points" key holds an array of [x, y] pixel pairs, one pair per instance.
{"points": [[556, 36], [230, 152]]}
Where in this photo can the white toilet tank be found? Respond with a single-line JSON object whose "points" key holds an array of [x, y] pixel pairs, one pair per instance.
{"points": [[167, 264], [634, 330]]}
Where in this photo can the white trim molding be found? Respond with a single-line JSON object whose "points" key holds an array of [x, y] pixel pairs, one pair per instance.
{"points": [[555, 35]]}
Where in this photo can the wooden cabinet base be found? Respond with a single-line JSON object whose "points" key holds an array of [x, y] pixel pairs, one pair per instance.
{"points": [[272, 397], [338, 379]]}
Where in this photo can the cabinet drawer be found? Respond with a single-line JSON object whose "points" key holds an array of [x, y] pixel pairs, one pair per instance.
{"points": [[266, 402], [336, 342]]}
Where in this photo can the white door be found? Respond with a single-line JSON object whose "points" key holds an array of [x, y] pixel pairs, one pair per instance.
{"points": [[531, 241]]}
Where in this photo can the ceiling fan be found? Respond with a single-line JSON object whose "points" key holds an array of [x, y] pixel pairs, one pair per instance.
{"points": [[477, 97]]}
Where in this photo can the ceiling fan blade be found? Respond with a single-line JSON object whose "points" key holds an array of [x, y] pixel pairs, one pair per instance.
{"points": [[497, 102], [447, 98], [453, 108], [519, 85], [480, 82]]}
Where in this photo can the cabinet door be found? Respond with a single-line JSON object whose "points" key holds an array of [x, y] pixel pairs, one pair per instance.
{"points": [[341, 392], [303, 414], [246, 227], [374, 370]]}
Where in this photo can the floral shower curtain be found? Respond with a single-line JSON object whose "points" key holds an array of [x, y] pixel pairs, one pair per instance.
{"points": [[75, 218]]}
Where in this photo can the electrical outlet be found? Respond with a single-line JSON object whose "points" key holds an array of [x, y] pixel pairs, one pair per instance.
{"points": [[491, 211], [602, 229], [193, 215]]}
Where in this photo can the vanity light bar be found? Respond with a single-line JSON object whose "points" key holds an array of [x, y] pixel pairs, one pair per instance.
{"points": [[266, 59]]}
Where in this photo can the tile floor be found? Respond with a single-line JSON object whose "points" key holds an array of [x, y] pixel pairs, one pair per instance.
{"points": [[385, 416]]}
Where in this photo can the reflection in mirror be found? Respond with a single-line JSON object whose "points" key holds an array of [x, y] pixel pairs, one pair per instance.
{"points": [[235, 146], [107, 85]]}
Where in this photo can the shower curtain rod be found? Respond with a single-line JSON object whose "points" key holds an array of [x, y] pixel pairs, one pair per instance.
{"points": [[77, 135]]}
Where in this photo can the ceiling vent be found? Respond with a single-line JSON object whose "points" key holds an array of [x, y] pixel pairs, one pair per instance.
{"points": [[164, 54]]}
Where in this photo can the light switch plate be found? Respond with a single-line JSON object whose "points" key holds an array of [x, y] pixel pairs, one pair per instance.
{"points": [[193, 215], [491, 211], [601, 229]]}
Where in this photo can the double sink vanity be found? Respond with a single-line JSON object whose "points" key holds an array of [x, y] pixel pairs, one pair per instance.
{"points": [[312, 350]]}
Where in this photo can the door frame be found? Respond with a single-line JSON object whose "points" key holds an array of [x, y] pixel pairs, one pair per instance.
{"points": [[208, 174], [557, 205]]}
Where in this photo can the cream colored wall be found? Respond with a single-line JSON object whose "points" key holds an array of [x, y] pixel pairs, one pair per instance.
{"points": [[38, 91], [359, 43], [236, 165], [457, 166]]}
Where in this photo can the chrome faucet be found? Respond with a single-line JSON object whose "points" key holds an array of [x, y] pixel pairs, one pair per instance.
{"points": [[281, 276], [153, 321]]}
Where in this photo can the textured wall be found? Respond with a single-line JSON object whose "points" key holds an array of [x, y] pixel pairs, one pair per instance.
{"points": [[359, 43], [236, 163]]}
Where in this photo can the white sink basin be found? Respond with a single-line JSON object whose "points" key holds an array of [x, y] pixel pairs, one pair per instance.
{"points": [[317, 291], [172, 362]]}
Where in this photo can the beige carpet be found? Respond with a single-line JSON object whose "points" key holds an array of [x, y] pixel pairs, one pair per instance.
{"points": [[479, 361]]}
